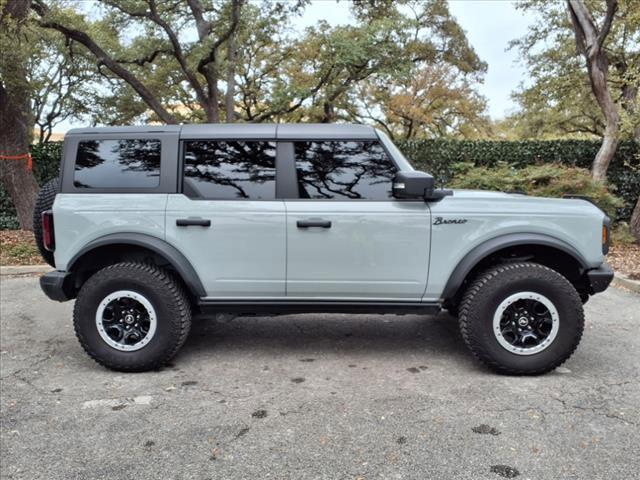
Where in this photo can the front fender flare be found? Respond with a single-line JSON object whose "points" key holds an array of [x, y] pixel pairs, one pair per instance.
{"points": [[479, 252], [177, 260]]}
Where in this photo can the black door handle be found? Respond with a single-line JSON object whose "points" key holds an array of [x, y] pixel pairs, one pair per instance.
{"points": [[193, 222], [313, 223]]}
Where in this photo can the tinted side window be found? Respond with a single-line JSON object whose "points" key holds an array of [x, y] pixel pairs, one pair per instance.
{"points": [[117, 164], [231, 170], [343, 170]]}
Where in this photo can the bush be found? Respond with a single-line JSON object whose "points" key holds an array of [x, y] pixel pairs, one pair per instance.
{"points": [[46, 161], [549, 180], [622, 235], [438, 157]]}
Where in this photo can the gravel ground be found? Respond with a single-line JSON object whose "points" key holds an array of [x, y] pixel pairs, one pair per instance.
{"points": [[315, 397]]}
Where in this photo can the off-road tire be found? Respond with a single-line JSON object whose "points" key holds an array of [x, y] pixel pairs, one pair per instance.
{"points": [[44, 202], [490, 288], [453, 309], [166, 295]]}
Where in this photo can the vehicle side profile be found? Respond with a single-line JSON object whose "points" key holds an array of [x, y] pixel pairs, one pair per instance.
{"points": [[147, 225]]}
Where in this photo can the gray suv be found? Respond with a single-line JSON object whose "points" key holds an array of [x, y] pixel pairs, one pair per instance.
{"points": [[148, 225]]}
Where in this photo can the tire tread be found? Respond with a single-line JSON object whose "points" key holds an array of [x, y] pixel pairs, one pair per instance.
{"points": [[180, 324], [479, 287]]}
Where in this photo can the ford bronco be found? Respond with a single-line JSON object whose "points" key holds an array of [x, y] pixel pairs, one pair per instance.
{"points": [[146, 225]]}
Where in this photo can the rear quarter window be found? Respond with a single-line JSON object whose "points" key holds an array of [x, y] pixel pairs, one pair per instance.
{"points": [[126, 163]]}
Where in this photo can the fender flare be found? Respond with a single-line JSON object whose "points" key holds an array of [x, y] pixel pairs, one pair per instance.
{"points": [[173, 256], [480, 252]]}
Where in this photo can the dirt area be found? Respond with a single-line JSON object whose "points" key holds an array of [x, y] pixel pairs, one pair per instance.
{"points": [[626, 260], [17, 247]]}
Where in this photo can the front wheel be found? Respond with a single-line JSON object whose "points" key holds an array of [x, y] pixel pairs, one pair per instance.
{"points": [[521, 319], [132, 316]]}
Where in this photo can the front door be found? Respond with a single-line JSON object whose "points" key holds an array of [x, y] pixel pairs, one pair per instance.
{"points": [[227, 221], [347, 238]]}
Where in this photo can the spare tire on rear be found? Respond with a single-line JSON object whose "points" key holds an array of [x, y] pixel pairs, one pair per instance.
{"points": [[44, 202]]}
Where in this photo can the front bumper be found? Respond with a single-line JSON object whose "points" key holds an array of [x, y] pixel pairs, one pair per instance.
{"points": [[58, 286], [600, 278]]}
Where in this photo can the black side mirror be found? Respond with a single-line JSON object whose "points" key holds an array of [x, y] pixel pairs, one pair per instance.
{"points": [[415, 184]]}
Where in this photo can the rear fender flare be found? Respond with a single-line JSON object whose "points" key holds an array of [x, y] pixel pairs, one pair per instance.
{"points": [[170, 253]]}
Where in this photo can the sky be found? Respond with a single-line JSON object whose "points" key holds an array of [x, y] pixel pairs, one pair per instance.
{"points": [[489, 24]]}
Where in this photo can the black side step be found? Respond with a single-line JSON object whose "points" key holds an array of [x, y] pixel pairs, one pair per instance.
{"points": [[305, 306]]}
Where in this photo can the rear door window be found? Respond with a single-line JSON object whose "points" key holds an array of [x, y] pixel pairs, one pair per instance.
{"points": [[127, 163], [230, 170], [343, 170]]}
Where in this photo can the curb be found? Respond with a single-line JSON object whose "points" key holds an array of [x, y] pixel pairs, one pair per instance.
{"points": [[620, 280], [24, 269]]}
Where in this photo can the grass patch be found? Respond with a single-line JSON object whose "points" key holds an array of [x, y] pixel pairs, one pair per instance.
{"points": [[17, 247]]}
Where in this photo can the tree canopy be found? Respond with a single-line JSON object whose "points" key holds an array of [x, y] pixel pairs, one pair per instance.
{"points": [[234, 60]]}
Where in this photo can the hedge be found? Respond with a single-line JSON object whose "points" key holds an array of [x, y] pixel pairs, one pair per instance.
{"points": [[438, 157], [546, 180]]}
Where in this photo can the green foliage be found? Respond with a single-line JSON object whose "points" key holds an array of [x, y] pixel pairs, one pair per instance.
{"points": [[325, 73], [20, 253], [546, 180], [8, 216], [46, 161], [622, 235], [438, 156]]}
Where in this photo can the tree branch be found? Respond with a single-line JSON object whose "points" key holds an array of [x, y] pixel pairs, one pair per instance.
{"points": [[149, 58], [612, 6], [104, 58], [178, 53], [203, 26]]}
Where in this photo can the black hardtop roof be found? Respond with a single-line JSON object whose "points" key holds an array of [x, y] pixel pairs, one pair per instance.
{"points": [[282, 131]]}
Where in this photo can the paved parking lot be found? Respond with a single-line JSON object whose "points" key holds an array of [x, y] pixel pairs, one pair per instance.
{"points": [[315, 397]]}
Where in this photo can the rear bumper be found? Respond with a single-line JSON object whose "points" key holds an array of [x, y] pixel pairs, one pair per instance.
{"points": [[58, 286], [600, 278]]}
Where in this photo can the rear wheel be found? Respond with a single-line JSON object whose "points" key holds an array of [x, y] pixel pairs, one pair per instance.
{"points": [[44, 202], [521, 318], [132, 317]]}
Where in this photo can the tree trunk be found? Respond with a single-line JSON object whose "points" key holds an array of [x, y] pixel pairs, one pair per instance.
{"points": [[590, 43], [598, 76], [630, 94], [213, 109], [329, 113], [634, 225], [15, 121], [606, 152], [231, 78]]}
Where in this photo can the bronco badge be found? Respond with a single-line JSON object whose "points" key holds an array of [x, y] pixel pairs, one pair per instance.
{"points": [[447, 221]]}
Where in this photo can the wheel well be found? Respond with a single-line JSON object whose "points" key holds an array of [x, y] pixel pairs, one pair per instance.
{"points": [[100, 257], [554, 258]]}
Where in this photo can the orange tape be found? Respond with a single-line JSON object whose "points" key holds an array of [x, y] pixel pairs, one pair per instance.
{"points": [[24, 156]]}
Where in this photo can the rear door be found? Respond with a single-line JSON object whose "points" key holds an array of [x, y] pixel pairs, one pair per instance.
{"points": [[227, 220], [347, 238]]}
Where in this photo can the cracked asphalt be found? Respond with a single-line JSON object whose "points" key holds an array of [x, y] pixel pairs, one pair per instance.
{"points": [[315, 397]]}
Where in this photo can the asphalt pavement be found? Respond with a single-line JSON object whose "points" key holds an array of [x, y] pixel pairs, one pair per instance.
{"points": [[315, 397]]}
